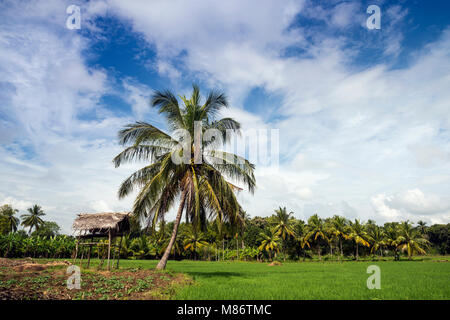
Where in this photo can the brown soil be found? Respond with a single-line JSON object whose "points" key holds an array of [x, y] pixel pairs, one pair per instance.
{"points": [[275, 263], [28, 280]]}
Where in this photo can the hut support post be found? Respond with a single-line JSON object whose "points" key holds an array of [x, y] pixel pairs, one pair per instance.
{"points": [[114, 248], [89, 253], [118, 255], [76, 252], [109, 247], [82, 249]]}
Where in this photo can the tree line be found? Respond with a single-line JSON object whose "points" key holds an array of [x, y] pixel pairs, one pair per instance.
{"points": [[277, 237]]}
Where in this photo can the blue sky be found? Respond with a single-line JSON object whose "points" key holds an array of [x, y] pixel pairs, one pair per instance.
{"points": [[363, 114]]}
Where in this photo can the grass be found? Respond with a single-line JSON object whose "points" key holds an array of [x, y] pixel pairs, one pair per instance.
{"points": [[309, 280], [425, 278]]}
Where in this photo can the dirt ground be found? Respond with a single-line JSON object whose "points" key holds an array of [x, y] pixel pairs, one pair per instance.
{"points": [[26, 279]]}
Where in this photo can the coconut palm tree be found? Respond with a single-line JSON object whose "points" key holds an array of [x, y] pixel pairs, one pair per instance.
{"points": [[317, 230], [377, 239], [303, 241], [391, 236], [270, 242], [359, 235], [245, 217], [284, 223], [195, 174], [194, 240], [339, 228], [410, 240], [422, 226], [8, 214], [283, 226], [33, 218]]}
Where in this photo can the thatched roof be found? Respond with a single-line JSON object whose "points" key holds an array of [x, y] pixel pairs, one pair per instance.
{"points": [[100, 223]]}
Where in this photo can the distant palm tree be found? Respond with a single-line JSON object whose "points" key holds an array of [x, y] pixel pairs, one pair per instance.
{"points": [[376, 237], [245, 218], [33, 218], [339, 227], [422, 227], [270, 242], [303, 241], [283, 225], [317, 230], [359, 235], [410, 240], [8, 213], [194, 240], [391, 235], [198, 181]]}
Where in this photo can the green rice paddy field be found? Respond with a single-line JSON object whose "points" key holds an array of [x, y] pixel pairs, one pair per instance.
{"points": [[309, 280]]}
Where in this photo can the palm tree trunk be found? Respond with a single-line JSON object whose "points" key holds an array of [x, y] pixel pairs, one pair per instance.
{"points": [[340, 245], [318, 251], [162, 263], [357, 251]]}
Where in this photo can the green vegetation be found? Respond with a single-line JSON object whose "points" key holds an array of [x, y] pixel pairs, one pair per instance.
{"points": [[279, 237], [422, 278]]}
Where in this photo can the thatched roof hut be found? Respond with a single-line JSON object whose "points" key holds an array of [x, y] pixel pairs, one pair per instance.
{"points": [[100, 224]]}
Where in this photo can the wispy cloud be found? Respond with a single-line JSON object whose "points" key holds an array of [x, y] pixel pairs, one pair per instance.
{"points": [[362, 139]]}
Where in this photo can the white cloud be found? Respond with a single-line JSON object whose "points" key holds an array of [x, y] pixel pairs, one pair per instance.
{"points": [[53, 157], [345, 13], [346, 133], [413, 204]]}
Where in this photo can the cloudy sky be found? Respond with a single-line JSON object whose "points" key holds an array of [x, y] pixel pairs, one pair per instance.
{"points": [[363, 115]]}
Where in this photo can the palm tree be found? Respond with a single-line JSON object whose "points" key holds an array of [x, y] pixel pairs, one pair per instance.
{"points": [[391, 236], [377, 239], [410, 240], [270, 242], [245, 217], [8, 214], [194, 240], [284, 223], [317, 230], [33, 219], [283, 226], [359, 235], [194, 174], [422, 226], [301, 238], [339, 228]]}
